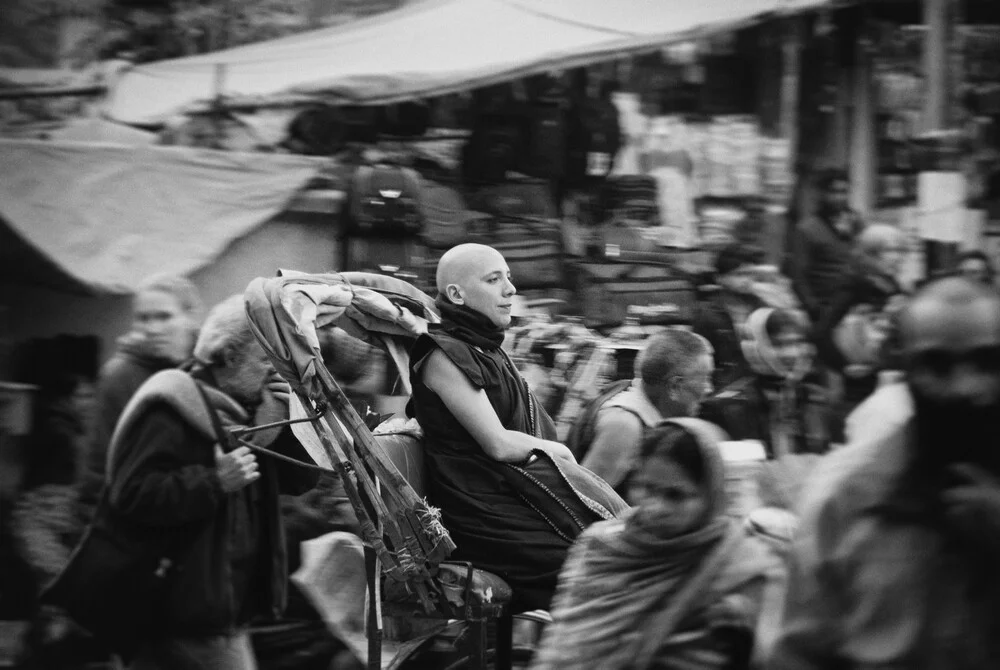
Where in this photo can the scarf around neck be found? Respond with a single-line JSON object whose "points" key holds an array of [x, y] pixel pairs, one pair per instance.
{"points": [[468, 325]]}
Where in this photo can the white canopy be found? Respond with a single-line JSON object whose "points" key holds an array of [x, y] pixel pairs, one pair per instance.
{"points": [[429, 48]]}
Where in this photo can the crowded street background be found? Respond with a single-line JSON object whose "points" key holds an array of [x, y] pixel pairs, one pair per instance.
{"points": [[499, 333]]}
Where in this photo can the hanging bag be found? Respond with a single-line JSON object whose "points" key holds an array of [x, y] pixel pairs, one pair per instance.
{"points": [[118, 578]]}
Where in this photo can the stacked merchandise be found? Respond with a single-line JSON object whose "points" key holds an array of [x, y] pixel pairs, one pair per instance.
{"points": [[744, 143], [384, 220], [776, 177], [718, 220], [515, 217]]}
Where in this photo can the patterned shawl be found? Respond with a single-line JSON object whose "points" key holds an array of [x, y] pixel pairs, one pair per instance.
{"points": [[619, 577]]}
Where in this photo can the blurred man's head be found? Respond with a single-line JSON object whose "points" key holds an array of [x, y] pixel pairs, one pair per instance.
{"points": [[884, 246], [950, 336], [676, 368], [476, 276], [737, 266], [834, 190], [227, 346]]}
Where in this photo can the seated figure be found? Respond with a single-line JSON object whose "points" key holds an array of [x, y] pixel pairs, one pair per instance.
{"points": [[512, 498], [673, 583]]}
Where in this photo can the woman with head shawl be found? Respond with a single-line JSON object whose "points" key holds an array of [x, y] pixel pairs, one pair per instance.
{"points": [[673, 583], [512, 497], [774, 342]]}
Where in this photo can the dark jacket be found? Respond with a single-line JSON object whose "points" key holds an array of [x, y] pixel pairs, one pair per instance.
{"points": [[119, 379], [714, 322], [865, 285], [232, 557], [819, 261]]}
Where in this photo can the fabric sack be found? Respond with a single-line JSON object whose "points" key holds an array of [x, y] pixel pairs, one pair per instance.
{"points": [[619, 242], [633, 198], [116, 583], [447, 219], [494, 147], [532, 249], [596, 139], [545, 151], [607, 289], [516, 199], [384, 200], [535, 258]]}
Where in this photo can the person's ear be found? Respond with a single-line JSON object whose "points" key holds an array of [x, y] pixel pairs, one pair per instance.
{"points": [[454, 294]]}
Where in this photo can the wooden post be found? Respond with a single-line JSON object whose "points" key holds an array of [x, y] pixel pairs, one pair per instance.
{"points": [[791, 70], [864, 152], [936, 59], [936, 62]]}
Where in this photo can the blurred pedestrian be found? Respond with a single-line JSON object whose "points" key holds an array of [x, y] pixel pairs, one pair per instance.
{"points": [[894, 564], [166, 313], [725, 306], [217, 510], [785, 394], [674, 376], [674, 582], [45, 520], [823, 246], [853, 332]]}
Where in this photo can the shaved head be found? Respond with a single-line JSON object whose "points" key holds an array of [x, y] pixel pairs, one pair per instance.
{"points": [[459, 264], [947, 307], [951, 340], [476, 277]]}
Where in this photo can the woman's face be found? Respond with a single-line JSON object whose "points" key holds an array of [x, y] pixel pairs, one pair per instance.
{"points": [[666, 497], [789, 346], [164, 325]]}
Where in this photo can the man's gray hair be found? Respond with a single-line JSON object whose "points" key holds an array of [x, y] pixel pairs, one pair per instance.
{"points": [[669, 354], [225, 333]]}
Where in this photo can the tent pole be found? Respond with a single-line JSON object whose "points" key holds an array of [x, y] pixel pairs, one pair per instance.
{"points": [[218, 105]]}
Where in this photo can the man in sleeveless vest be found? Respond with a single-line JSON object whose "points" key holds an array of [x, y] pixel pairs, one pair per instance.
{"points": [[674, 376]]}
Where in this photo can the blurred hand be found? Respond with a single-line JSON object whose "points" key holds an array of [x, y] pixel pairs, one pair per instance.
{"points": [[973, 503], [236, 469]]}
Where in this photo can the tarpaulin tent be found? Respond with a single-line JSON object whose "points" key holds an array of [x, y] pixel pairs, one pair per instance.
{"points": [[426, 49], [102, 217]]}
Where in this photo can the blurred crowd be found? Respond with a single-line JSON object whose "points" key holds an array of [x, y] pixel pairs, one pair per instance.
{"points": [[833, 349]]}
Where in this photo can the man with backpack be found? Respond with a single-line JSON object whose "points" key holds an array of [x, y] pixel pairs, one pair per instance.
{"points": [[674, 375]]}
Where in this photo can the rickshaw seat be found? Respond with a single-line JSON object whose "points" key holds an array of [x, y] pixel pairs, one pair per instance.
{"points": [[466, 588], [473, 595]]}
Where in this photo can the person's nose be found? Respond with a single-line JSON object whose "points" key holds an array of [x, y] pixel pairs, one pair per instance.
{"points": [[508, 288]]}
